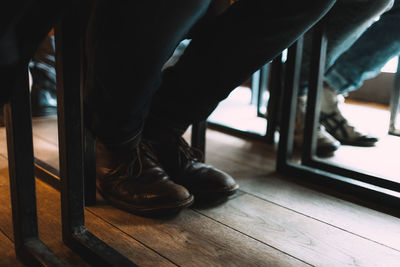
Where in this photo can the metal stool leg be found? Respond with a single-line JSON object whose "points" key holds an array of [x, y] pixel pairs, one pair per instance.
{"points": [[29, 248], [199, 136], [89, 161], [71, 148], [289, 102]]}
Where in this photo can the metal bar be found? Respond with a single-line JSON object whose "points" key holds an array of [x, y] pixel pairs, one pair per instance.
{"points": [[258, 87], [35, 253], [289, 102], [395, 103], [71, 149], [198, 139], [47, 174], [235, 132], [383, 199], [366, 187], [319, 46], [29, 248], [89, 168], [360, 176], [275, 99]]}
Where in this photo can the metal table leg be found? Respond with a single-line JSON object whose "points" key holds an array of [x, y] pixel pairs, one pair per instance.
{"points": [[29, 248], [71, 147]]}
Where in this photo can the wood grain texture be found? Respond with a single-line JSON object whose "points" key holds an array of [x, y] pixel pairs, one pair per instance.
{"points": [[49, 203], [46, 128], [7, 253], [273, 221], [307, 239], [49, 219], [368, 223], [191, 239], [257, 178]]}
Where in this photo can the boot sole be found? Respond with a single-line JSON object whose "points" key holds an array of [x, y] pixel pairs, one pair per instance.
{"points": [[223, 193], [361, 144], [171, 209]]}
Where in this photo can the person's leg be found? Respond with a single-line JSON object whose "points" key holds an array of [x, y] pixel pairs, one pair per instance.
{"points": [[361, 61], [365, 58], [344, 24], [347, 20], [128, 44], [224, 53]]}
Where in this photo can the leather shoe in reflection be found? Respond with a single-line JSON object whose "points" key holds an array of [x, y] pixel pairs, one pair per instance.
{"points": [[183, 164], [134, 181], [44, 98]]}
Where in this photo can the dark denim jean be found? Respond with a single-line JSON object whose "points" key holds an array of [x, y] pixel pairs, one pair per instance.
{"points": [[366, 57], [129, 42], [345, 23]]}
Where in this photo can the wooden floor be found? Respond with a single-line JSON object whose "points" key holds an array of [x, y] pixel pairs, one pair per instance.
{"points": [[272, 221]]}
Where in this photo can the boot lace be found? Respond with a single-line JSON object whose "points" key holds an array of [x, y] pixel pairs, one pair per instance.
{"points": [[188, 152], [135, 166]]}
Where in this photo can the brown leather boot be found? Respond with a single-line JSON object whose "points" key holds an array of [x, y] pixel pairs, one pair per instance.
{"points": [[134, 181], [184, 166]]}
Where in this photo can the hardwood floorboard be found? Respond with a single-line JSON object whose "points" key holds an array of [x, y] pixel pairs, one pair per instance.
{"points": [[46, 152], [191, 239], [273, 221], [255, 154], [7, 253], [49, 199], [312, 241], [49, 219], [265, 183], [368, 223], [46, 128]]}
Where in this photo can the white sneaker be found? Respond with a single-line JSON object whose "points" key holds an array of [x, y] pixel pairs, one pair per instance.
{"points": [[335, 124], [326, 144]]}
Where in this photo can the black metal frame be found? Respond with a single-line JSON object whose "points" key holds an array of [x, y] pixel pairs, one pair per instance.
{"points": [[366, 186], [267, 77], [76, 178], [28, 247], [72, 146], [198, 138]]}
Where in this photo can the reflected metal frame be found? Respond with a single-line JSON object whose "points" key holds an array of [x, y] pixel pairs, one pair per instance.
{"points": [[366, 187]]}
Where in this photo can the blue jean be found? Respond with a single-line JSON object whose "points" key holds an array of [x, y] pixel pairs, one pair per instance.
{"points": [[345, 23], [365, 58]]}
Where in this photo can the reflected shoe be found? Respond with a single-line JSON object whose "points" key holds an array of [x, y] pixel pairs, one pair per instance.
{"points": [[43, 95], [44, 102], [184, 165], [43, 72], [326, 144], [331, 117], [134, 181]]}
